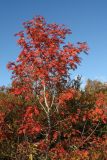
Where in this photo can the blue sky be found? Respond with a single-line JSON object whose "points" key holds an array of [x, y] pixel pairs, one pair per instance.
{"points": [[86, 18]]}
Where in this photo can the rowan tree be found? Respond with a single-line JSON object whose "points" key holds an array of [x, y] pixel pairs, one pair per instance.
{"points": [[42, 71]]}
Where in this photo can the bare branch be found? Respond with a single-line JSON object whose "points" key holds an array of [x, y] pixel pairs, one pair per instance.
{"points": [[45, 99]]}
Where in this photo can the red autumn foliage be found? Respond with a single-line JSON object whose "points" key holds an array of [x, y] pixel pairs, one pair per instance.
{"points": [[44, 114]]}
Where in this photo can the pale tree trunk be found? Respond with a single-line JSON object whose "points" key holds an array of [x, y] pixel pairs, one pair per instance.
{"points": [[47, 108], [30, 157]]}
